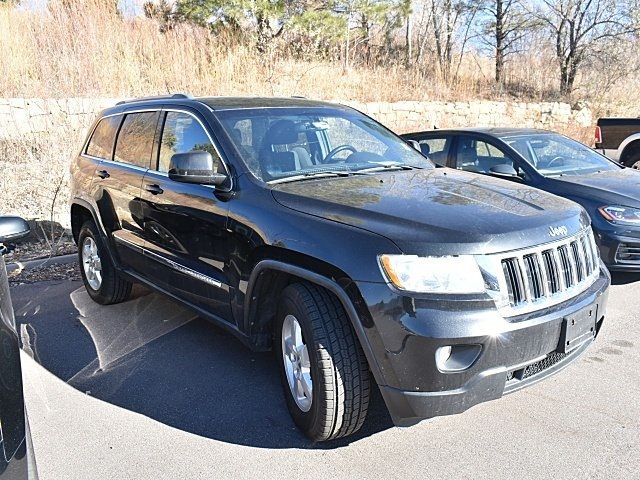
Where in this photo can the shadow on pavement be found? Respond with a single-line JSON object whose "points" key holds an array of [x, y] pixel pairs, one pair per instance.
{"points": [[152, 356]]}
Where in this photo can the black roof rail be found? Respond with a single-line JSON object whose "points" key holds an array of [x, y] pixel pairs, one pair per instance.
{"points": [[158, 97]]}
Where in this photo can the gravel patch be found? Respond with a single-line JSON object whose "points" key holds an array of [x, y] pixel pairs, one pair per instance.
{"points": [[69, 271]]}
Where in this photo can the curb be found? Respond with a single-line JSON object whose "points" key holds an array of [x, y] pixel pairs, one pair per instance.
{"points": [[41, 262]]}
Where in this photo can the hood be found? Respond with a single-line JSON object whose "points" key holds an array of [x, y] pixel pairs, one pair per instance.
{"points": [[616, 187], [439, 211]]}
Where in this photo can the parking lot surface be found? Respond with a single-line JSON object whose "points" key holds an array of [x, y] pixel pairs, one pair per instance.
{"points": [[147, 390]]}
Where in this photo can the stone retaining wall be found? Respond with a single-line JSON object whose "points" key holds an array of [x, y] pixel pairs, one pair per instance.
{"points": [[25, 116]]}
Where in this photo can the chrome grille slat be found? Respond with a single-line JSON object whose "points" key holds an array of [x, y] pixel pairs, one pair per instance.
{"points": [[546, 288], [550, 273]]}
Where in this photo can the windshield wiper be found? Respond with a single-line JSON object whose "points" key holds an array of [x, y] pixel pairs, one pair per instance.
{"points": [[383, 168], [316, 174]]}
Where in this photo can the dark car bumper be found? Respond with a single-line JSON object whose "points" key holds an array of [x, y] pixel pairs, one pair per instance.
{"points": [[619, 249], [512, 352]]}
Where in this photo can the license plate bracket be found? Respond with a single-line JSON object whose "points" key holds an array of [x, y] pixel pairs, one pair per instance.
{"points": [[577, 328]]}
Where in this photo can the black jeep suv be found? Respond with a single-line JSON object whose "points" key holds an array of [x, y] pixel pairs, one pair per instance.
{"points": [[311, 229]]}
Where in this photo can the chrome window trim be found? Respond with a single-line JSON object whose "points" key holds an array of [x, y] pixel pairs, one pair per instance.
{"points": [[155, 170]]}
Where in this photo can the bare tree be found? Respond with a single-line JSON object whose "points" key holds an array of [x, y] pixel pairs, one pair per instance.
{"points": [[450, 27], [507, 24], [580, 28]]}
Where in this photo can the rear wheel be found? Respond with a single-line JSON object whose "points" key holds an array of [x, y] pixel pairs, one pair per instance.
{"points": [[324, 372], [102, 281], [631, 156]]}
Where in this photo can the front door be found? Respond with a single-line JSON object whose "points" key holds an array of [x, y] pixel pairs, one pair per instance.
{"points": [[119, 182], [187, 242]]}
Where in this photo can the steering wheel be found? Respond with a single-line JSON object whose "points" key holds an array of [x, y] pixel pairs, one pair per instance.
{"points": [[553, 160], [335, 151]]}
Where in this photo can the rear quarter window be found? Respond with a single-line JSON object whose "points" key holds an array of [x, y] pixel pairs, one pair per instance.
{"points": [[101, 142]]}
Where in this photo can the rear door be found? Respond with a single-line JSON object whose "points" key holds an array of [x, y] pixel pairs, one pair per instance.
{"points": [[187, 242], [119, 182]]}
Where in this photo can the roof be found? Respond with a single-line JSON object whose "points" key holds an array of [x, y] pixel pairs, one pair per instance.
{"points": [[221, 103], [493, 131], [233, 103]]}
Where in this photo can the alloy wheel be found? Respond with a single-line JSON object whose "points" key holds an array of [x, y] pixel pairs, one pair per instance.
{"points": [[295, 356], [91, 263]]}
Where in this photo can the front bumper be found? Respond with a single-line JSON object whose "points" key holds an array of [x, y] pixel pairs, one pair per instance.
{"points": [[404, 334], [619, 248]]}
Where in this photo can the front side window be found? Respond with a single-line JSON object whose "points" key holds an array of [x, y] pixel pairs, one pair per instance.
{"points": [[554, 155], [135, 140], [478, 156], [183, 133], [281, 143], [101, 142]]}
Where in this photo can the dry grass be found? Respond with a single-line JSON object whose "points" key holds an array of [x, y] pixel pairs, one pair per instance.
{"points": [[90, 51]]}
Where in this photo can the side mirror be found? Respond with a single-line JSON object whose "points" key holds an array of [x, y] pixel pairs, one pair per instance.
{"points": [[12, 229], [415, 145], [195, 167], [504, 170]]}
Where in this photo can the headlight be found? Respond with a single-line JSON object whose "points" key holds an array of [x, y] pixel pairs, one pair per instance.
{"points": [[621, 215], [411, 273]]}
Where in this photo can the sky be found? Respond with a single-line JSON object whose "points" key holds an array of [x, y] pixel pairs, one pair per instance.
{"points": [[127, 7]]}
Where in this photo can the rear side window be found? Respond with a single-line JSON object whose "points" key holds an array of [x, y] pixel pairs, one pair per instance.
{"points": [[182, 133], [436, 148], [101, 142], [135, 140]]}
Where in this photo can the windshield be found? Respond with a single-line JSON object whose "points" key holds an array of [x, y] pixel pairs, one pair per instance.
{"points": [[554, 155], [286, 144]]}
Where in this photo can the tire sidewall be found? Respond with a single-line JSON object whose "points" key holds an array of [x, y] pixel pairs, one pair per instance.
{"points": [[307, 421], [89, 230]]}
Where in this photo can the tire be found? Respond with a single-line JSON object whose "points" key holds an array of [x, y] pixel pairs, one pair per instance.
{"points": [[111, 287], [632, 156], [336, 363]]}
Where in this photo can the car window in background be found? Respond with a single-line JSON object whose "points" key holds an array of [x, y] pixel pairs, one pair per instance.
{"points": [[135, 139], [277, 143], [475, 155], [104, 135], [183, 133], [436, 148], [555, 155]]}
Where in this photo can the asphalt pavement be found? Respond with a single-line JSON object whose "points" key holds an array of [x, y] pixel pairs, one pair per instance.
{"points": [[146, 390]]}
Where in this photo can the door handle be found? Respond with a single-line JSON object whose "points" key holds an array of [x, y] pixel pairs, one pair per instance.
{"points": [[103, 174], [153, 189]]}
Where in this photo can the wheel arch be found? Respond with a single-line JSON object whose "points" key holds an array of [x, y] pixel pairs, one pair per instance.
{"points": [[269, 276], [628, 147], [81, 211]]}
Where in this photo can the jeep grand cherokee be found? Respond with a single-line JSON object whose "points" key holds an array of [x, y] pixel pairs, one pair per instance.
{"points": [[310, 229]]}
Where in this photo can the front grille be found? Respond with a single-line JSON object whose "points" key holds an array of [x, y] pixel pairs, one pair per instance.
{"points": [[628, 253], [537, 367], [562, 269]]}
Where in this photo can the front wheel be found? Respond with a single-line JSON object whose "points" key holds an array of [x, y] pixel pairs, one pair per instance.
{"points": [[323, 369]]}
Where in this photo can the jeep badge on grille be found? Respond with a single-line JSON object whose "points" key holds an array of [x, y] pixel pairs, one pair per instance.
{"points": [[558, 231]]}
